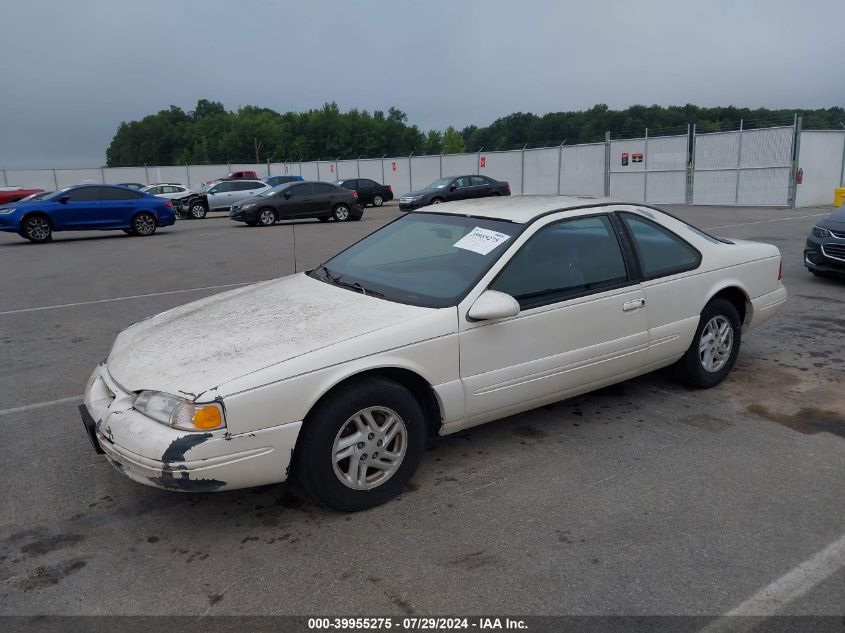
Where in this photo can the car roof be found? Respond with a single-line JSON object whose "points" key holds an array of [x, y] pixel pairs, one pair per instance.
{"points": [[520, 209]]}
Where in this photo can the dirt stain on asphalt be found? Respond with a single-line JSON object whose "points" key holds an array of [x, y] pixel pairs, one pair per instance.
{"points": [[51, 574], [528, 431], [50, 544], [707, 422], [807, 420], [472, 560]]}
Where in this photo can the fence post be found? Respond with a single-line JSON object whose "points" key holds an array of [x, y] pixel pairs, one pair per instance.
{"points": [[188, 176], [559, 165], [607, 164], [5, 180], [478, 160], [358, 166], [645, 168], [268, 166], [55, 180], [690, 162], [441, 164], [318, 168], [102, 175], [796, 154], [382, 168], [522, 180], [738, 162], [228, 167], [841, 171], [410, 177]]}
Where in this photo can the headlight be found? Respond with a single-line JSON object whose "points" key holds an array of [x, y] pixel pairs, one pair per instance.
{"points": [[7, 211], [180, 413], [820, 232], [248, 205]]}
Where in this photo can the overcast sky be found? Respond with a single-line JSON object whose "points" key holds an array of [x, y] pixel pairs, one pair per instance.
{"points": [[71, 71]]}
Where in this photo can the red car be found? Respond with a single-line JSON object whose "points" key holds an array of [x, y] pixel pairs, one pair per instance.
{"points": [[235, 175], [13, 194]]}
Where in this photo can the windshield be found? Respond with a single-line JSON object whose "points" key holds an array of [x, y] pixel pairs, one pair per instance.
{"points": [[423, 259], [56, 194], [272, 192], [205, 188], [439, 184]]}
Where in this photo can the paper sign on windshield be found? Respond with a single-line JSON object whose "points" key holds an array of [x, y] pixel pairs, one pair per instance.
{"points": [[481, 241]]}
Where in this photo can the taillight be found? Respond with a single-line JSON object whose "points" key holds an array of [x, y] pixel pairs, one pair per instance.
{"points": [[354, 194], [780, 270], [390, 188], [168, 204]]}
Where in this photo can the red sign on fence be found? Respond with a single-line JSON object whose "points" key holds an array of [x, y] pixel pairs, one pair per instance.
{"points": [[393, 166], [624, 158], [331, 168], [483, 161]]}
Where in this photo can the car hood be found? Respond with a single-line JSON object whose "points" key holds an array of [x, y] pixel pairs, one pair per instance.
{"points": [[204, 344], [423, 192], [835, 220]]}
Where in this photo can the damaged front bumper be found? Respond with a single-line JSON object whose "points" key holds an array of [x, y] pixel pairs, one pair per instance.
{"points": [[157, 455]]}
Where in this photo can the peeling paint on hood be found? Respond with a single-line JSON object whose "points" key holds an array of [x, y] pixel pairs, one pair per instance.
{"points": [[206, 343]]}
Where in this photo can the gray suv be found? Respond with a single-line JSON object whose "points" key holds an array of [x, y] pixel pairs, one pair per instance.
{"points": [[222, 195]]}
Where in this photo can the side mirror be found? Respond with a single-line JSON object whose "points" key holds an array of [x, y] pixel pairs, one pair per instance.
{"points": [[453, 187], [288, 194], [63, 199], [493, 304]]}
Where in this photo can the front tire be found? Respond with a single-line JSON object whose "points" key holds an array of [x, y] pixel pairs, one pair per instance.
{"points": [[144, 224], [714, 348], [197, 211], [37, 229], [266, 217], [377, 200], [437, 201], [360, 446], [341, 213]]}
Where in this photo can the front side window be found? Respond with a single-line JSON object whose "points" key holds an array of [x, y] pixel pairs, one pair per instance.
{"points": [[660, 251], [424, 259], [84, 194], [564, 260]]}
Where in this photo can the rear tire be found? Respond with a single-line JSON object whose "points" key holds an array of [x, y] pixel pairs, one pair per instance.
{"points": [[437, 201], [714, 348], [37, 229], [377, 200], [390, 427], [341, 213], [143, 224]]}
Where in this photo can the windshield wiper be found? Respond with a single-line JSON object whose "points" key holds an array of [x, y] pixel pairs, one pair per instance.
{"points": [[356, 286], [322, 268]]}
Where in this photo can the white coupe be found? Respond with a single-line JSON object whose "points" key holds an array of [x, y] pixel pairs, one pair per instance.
{"points": [[444, 319]]}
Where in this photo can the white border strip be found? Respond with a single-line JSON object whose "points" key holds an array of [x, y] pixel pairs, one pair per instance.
{"points": [[152, 294]]}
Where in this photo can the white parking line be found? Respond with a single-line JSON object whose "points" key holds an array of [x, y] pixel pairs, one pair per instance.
{"points": [[152, 294], [39, 405], [797, 217], [789, 587]]}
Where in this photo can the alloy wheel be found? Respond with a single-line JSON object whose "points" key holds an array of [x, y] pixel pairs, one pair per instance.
{"points": [[369, 448]]}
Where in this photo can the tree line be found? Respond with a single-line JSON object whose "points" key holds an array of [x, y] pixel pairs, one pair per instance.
{"points": [[212, 134]]}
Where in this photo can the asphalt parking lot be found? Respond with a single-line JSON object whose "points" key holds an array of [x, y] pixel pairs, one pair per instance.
{"points": [[643, 498]]}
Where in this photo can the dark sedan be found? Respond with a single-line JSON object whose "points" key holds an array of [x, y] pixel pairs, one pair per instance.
{"points": [[454, 188], [369, 191], [87, 208], [824, 253], [292, 201]]}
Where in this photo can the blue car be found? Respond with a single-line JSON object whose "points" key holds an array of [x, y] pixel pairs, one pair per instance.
{"points": [[275, 181], [87, 208]]}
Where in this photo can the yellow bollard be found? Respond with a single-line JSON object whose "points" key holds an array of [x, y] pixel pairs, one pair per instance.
{"points": [[838, 196]]}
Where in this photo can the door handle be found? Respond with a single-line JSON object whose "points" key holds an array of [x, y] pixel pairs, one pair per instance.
{"points": [[634, 304]]}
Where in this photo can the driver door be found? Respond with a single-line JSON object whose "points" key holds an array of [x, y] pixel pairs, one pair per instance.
{"points": [[221, 195], [582, 322]]}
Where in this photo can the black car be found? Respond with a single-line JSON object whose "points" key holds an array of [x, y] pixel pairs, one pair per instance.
{"points": [[321, 200], [824, 253], [454, 188], [369, 191]]}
